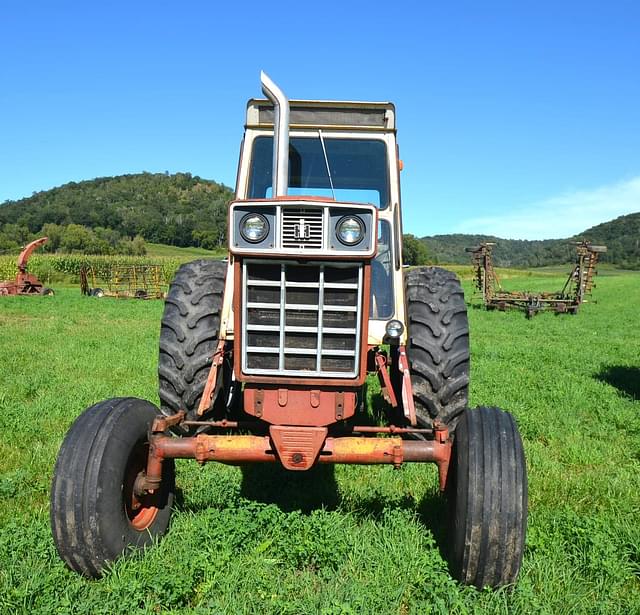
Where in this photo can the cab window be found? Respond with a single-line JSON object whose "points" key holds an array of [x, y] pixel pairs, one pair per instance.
{"points": [[357, 168]]}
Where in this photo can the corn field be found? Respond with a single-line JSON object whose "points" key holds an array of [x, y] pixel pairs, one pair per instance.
{"points": [[54, 267]]}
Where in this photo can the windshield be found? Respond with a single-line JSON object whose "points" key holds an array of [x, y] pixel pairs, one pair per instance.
{"points": [[358, 169]]}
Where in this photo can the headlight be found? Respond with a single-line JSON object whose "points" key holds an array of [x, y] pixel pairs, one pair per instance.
{"points": [[350, 230], [254, 228], [394, 328]]}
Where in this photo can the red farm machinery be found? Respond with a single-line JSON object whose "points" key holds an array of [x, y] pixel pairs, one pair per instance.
{"points": [[26, 283], [263, 358]]}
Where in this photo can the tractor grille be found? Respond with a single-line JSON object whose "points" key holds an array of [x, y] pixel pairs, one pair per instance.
{"points": [[302, 228], [301, 319]]}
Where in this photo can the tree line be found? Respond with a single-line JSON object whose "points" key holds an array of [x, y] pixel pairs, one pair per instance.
{"points": [[621, 236], [116, 215], [178, 209]]}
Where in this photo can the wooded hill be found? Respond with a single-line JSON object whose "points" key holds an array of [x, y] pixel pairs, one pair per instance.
{"points": [[186, 210], [621, 236], [179, 210]]}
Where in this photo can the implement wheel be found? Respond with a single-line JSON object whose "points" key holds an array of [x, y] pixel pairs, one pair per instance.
{"points": [[96, 516], [437, 345], [487, 492]]}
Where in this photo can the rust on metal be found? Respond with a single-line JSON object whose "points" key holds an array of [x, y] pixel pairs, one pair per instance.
{"points": [[123, 281], [299, 406], [579, 283], [407, 389], [339, 397], [315, 398], [25, 283], [162, 423], [297, 447], [381, 363], [210, 388]]}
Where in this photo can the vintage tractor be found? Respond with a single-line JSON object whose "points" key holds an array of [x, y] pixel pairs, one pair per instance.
{"points": [[26, 283], [263, 358]]}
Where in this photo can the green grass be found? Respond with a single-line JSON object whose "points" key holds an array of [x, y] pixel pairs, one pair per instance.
{"points": [[346, 539]]}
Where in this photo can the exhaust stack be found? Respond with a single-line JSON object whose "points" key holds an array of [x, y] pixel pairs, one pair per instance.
{"points": [[280, 102]]}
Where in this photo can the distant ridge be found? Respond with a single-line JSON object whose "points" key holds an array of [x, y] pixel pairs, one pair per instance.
{"points": [[186, 210], [621, 236], [179, 209]]}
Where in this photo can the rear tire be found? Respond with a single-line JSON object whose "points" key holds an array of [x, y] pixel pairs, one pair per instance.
{"points": [[487, 492], [95, 517], [437, 345], [189, 336], [48, 292]]}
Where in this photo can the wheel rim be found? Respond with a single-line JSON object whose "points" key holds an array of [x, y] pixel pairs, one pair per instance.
{"points": [[141, 511]]}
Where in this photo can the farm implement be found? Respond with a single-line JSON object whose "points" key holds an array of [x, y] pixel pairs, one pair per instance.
{"points": [[26, 283], [123, 281], [579, 283], [263, 358]]}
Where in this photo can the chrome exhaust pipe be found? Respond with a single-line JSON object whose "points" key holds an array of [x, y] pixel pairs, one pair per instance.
{"points": [[280, 178]]}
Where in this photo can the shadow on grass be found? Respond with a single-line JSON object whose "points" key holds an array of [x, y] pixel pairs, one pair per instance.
{"points": [[317, 489], [624, 378], [305, 491], [432, 511]]}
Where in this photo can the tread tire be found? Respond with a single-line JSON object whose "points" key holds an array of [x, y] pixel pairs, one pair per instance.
{"points": [[487, 492], [189, 334], [437, 345], [89, 521]]}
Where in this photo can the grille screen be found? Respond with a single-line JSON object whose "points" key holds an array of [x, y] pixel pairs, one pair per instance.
{"points": [[302, 228], [301, 319]]}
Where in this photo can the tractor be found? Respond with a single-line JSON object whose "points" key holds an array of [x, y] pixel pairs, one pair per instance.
{"points": [[26, 283], [264, 356]]}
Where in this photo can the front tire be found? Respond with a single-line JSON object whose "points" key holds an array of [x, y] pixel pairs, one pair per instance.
{"points": [[437, 345], [487, 492], [95, 516]]}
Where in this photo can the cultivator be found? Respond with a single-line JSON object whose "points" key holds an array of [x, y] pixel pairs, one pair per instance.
{"points": [[579, 283], [124, 281]]}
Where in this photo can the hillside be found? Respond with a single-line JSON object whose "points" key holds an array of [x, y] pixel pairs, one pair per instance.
{"points": [[621, 236], [188, 211], [180, 209]]}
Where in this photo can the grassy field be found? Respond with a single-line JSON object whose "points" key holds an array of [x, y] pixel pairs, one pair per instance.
{"points": [[164, 251], [344, 540]]}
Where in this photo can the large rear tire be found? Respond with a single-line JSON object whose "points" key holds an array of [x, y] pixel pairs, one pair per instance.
{"points": [[95, 516], [437, 345], [487, 492], [189, 336]]}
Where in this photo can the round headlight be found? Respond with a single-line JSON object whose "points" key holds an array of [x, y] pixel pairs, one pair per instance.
{"points": [[394, 328], [254, 228], [350, 230]]}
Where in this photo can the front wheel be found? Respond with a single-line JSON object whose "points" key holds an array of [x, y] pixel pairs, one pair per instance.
{"points": [[487, 492], [95, 515]]}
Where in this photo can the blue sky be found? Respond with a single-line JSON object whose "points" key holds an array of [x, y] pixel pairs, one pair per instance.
{"points": [[516, 119]]}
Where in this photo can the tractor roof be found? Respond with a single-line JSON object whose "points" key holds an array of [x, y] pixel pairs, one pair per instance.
{"points": [[332, 114]]}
